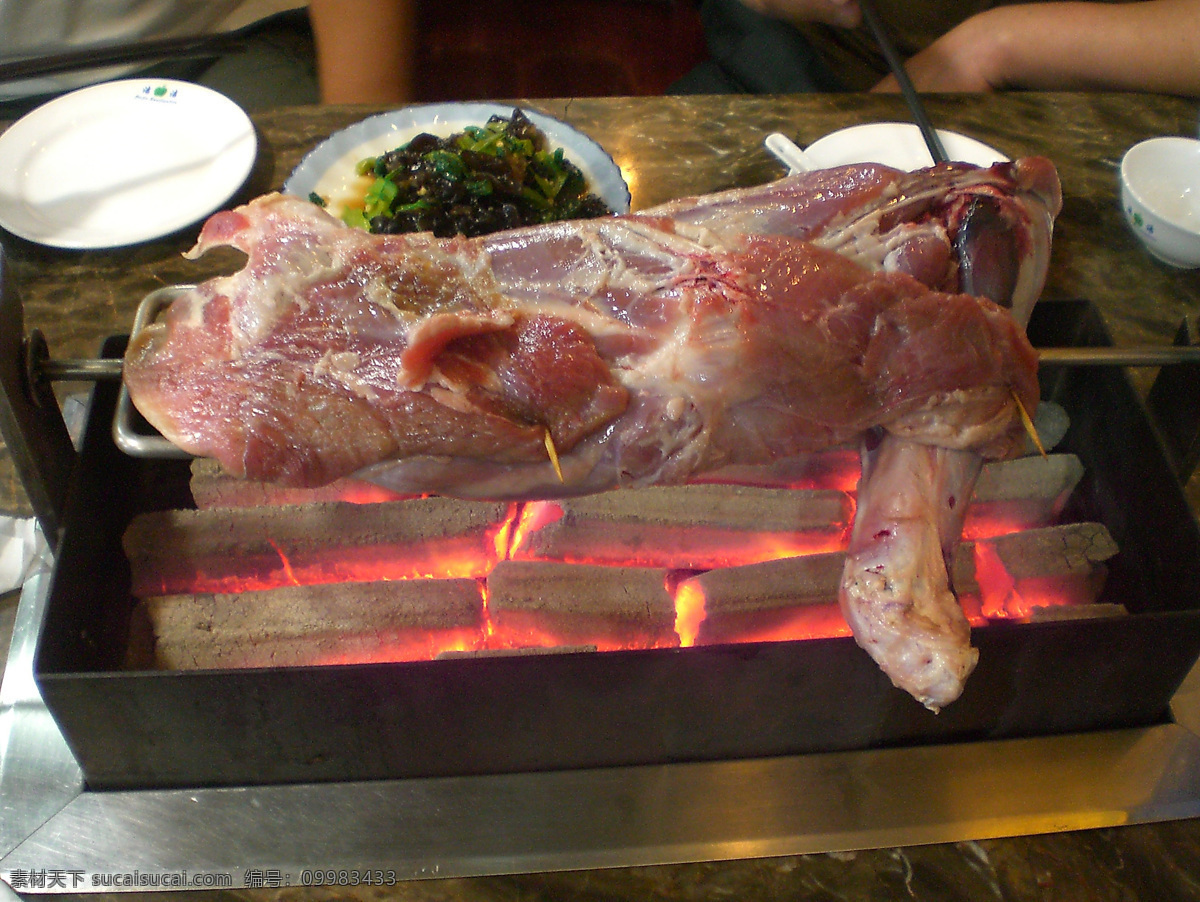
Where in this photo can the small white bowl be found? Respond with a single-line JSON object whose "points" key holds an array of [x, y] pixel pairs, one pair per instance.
{"points": [[1160, 197]]}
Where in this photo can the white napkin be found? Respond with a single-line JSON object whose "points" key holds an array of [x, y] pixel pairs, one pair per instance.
{"points": [[23, 549]]}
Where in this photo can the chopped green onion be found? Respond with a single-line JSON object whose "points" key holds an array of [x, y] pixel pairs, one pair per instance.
{"points": [[356, 219], [416, 206], [538, 200], [379, 197], [478, 180], [482, 141]]}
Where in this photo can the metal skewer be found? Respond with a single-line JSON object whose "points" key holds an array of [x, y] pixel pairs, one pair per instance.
{"points": [[81, 370], [896, 65], [109, 369], [134, 441], [1133, 356]]}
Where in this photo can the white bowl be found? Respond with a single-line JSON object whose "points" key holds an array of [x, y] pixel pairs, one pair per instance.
{"points": [[328, 170], [896, 144], [1160, 196]]}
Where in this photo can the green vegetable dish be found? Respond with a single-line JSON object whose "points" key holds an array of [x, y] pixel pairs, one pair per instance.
{"points": [[483, 179]]}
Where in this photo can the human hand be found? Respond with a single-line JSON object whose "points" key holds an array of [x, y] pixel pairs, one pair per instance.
{"points": [[964, 59], [844, 13]]}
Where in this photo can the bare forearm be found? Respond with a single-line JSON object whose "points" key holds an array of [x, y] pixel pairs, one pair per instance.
{"points": [[364, 49], [1152, 46], [1147, 46]]}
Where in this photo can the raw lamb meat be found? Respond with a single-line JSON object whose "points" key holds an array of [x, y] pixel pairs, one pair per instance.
{"points": [[642, 349], [647, 356], [988, 235]]}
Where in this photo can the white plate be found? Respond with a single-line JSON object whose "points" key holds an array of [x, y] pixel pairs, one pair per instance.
{"points": [[122, 162], [896, 144], [329, 169]]}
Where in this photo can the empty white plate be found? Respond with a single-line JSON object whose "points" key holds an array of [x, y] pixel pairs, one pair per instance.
{"points": [[122, 162], [896, 144]]}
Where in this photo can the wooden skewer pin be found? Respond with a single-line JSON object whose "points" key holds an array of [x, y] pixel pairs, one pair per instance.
{"points": [[553, 452], [1029, 427]]}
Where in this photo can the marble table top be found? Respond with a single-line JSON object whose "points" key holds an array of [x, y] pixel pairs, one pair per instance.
{"points": [[674, 146]]}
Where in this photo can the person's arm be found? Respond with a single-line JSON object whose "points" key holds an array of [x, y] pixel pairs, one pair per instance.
{"points": [[364, 49], [1148, 46]]}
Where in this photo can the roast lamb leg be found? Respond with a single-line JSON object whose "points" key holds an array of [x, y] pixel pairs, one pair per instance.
{"points": [[736, 329], [989, 235], [912, 497]]}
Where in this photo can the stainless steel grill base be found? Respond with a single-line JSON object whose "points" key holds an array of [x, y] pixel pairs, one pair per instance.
{"points": [[56, 834]]}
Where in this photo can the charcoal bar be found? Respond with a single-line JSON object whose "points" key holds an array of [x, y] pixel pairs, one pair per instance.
{"points": [[693, 527], [399, 620], [525, 651], [1024, 575], [718, 525], [1045, 482], [542, 603], [212, 487], [1053, 566], [835, 468], [1055, 550], [785, 598], [793, 598], [1023, 493], [230, 550]]}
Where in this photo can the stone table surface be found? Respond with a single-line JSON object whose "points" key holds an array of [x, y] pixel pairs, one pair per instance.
{"points": [[674, 146]]}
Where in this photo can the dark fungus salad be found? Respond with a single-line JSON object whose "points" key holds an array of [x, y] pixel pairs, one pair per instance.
{"points": [[483, 179]]}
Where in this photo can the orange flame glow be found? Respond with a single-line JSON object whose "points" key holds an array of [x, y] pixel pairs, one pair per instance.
{"points": [[689, 612], [534, 515], [993, 523], [680, 552], [288, 575], [823, 621], [999, 598], [489, 627]]}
